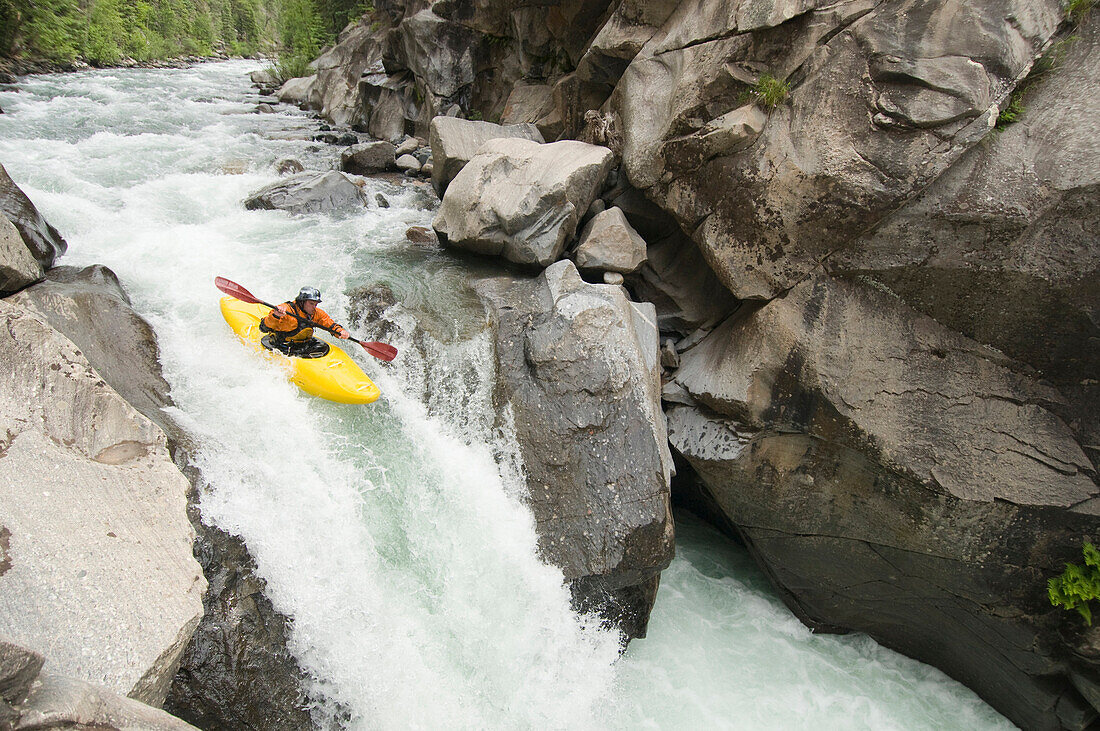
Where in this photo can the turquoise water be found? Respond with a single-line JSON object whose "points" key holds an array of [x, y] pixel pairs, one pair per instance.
{"points": [[395, 535]]}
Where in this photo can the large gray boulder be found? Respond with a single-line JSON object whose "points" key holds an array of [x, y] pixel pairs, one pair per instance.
{"points": [[41, 238], [368, 157], [18, 267], [522, 200], [91, 309], [455, 141], [100, 576], [578, 368], [309, 192], [609, 243], [896, 478], [884, 98], [296, 91]]}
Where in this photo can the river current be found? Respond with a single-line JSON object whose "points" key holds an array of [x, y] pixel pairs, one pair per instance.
{"points": [[395, 535]]}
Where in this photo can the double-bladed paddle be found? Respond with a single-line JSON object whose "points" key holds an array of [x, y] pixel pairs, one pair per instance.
{"points": [[381, 351]]}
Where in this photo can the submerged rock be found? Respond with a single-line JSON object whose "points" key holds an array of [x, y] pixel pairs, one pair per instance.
{"points": [[578, 368]]}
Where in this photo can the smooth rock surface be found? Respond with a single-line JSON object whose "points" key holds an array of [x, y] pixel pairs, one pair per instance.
{"points": [[455, 141], [296, 91], [309, 192], [58, 702], [18, 267], [101, 577], [522, 200], [578, 368]]}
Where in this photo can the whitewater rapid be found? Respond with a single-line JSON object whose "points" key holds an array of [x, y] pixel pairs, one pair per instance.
{"points": [[395, 535]]}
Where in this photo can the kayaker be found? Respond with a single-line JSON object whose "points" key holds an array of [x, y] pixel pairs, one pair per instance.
{"points": [[288, 323]]}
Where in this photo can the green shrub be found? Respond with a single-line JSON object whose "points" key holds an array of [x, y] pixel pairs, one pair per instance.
{"points": [[1078, 585], [769, 92], [1013, 110], [291, 67]]}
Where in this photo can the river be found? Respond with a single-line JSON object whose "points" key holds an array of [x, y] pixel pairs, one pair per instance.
{"points": [[394, 534]]}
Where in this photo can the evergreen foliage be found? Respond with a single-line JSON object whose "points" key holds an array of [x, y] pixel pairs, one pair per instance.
{"points": [[103, 32], [1078, 585]]}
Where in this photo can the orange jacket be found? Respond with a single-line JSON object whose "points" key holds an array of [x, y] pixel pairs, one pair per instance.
{"points": [[292, 329]]}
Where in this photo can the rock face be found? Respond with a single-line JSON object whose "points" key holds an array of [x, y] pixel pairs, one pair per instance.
{"points": [[522, 200], [90, 308], [99, 575], [18, 267], [1004, 247], [583, 382], [338, 72], [873, 458], [237, 673], [455, 141], [41, 238], [296, 91], [309, 192]]}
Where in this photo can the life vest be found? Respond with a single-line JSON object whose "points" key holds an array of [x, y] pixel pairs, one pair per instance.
{"points": [[294, 329]]}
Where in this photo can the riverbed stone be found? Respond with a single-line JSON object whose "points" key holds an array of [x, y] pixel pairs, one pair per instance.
{"points": [[577, 366], [522, 200], [18, 267], [100, 574], [366, 158], [309, 192], [44, 241], [455, 141]]}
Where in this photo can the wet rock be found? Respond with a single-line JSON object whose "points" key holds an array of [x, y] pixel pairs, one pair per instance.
{"points": [[264, 78], [288, 166], [422, 236], [41, 238], [237, 673], [309, 192], [455, 141], [381, 200], [578, 366], [264, 108], [367, 158], [18, 267], [522, 200], [18, 669], [367, 309]]}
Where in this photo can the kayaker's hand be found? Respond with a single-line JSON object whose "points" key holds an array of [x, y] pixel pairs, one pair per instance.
{"points": [[343, 334], [280, 310]]}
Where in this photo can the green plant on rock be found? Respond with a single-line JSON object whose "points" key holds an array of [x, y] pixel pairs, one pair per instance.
{"points": [[1078, 585], [769, 92], [1076, 10]]}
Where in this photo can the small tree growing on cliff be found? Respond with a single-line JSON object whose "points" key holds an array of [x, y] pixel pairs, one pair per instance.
{"points": [[1078, 585]]}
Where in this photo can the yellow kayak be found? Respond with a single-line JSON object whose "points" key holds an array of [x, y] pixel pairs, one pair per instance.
{"points": [[333, 376]]}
